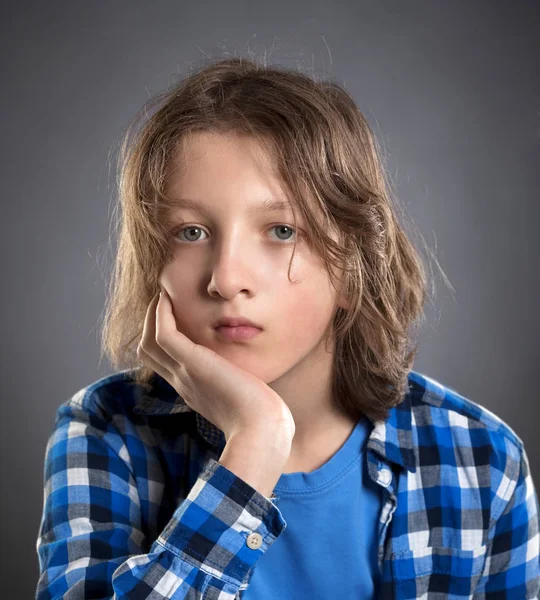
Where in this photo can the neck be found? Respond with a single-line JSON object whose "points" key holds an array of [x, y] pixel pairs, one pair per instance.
{"points": [[320, 427]]}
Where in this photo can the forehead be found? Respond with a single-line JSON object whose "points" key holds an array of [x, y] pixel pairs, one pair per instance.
{"points": [[211, 165], [200, 148], [236, 157]]}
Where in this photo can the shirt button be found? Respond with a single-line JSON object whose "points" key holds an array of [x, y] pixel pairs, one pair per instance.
{"points": [[385, 477], [254, 540]]}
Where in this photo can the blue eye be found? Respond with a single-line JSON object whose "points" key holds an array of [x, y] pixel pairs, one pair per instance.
{"points": [[286, 227], [190, 229], [193, 228]]}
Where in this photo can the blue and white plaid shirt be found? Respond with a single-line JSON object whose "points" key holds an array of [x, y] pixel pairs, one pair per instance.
{"points": [[137, 506]]}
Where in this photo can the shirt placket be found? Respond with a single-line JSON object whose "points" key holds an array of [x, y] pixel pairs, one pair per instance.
{"points": [[384, 477]]}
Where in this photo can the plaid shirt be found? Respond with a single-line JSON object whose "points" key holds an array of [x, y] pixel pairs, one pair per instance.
{"points": [[136, 505]]}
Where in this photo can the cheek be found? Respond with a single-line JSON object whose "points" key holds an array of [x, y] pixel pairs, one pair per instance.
{"points": [[180, 279], [184, 289], [304, 312]]}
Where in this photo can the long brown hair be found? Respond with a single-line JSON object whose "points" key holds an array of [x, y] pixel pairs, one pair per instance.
{"points": [[331, 167]]}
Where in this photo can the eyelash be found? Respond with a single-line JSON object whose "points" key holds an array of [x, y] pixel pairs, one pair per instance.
{"points": [[177, 230]]}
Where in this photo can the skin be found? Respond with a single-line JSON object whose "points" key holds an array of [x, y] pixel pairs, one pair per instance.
{"points": [[236, 264]]}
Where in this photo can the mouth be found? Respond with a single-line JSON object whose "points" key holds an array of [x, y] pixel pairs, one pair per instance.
{"points": [[238, 333]]}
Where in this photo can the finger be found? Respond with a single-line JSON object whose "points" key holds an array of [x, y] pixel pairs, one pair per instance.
{"points": [[148, 343], [154, 365], [178, 347]]}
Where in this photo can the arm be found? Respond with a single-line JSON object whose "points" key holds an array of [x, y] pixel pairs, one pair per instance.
{"points": [[91, 541], [257, 456], [512, 568]]}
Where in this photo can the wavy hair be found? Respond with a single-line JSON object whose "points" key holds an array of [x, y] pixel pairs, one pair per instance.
{"points": [[332, 171]]}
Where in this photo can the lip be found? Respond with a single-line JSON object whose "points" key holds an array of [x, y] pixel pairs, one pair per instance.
{"points": [[235, 322], [238, 334]]}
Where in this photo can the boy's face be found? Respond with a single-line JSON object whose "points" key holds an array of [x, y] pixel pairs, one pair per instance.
{"points": [[232, 259]]}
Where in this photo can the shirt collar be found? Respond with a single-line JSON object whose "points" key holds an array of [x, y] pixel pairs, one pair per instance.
{"points": [[393, 438]]}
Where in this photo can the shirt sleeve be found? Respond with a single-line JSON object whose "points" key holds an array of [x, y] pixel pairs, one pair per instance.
{"points": [[512, 567], [91, 541]]}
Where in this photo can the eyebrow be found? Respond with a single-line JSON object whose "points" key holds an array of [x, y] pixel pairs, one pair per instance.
{"points": [[267, 206]]}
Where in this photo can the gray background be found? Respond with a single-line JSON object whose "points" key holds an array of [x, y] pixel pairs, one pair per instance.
{"points": [[451, 88]]}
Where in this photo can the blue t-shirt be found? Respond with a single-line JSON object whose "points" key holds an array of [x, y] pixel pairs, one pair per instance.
{"points": [[329, 547]]}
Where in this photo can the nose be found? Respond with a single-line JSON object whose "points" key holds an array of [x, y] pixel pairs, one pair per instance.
{"points": [[233, 269]]}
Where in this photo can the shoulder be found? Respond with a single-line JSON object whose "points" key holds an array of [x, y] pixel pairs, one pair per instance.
{"points": [[471, 446], [117, 395], [107, 396], [437, 407], [126, 416]]}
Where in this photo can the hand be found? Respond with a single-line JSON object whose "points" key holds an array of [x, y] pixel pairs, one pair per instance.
{"points": [[228, 396]]}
